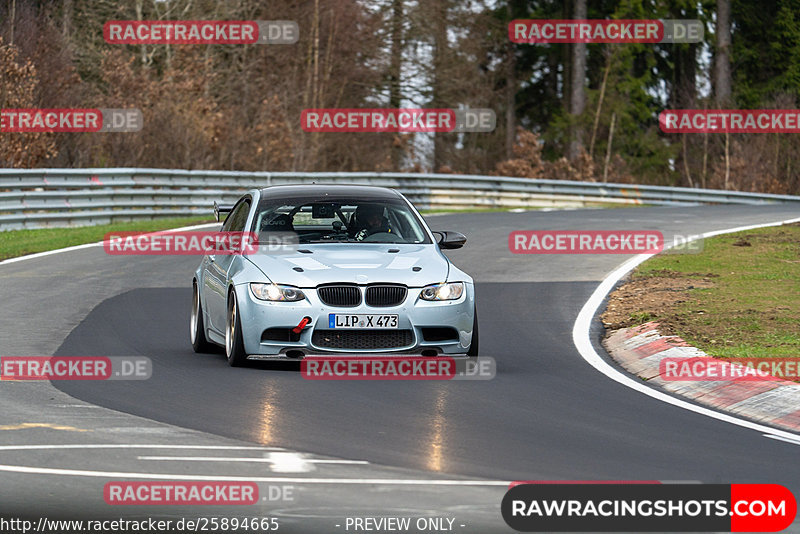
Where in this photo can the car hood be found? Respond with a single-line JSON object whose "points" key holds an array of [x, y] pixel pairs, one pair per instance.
{"points": [[361, 264]]}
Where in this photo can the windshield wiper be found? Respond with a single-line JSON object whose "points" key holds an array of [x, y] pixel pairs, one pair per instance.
{"points": [[334, 239]]}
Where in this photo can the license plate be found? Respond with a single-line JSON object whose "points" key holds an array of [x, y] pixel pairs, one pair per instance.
{"points": [[351, 320]]}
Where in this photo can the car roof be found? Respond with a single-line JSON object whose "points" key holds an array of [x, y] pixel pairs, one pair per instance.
{"points": [[331, 191]]}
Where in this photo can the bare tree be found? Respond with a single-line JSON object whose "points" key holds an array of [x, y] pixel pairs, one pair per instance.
{"points": [[395, 65], [439, 78], [577, 100], [722, 74], [722, 61], [510, 94]]}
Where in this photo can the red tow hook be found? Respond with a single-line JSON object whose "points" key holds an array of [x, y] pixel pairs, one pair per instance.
{"points": [[299, 328]]}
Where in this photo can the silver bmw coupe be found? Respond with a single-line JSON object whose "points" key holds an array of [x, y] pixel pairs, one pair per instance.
{"points": [[338, 269]]}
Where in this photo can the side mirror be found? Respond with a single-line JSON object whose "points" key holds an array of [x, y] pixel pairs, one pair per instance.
{"points": [[221, 211], [450, 240]]}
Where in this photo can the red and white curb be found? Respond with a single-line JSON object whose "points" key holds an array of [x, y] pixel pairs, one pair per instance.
{"points": [[640, 350]]}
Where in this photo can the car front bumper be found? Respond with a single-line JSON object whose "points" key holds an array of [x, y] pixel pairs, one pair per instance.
{"points": [[417, 319]]}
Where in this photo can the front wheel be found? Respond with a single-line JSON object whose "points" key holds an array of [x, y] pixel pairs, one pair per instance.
{"points": [[234, 344], [473, 348], [197, 329]]}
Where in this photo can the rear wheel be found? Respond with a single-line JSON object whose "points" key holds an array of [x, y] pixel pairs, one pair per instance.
{"points": [[234, 343], [197, 329], [473, 348]]}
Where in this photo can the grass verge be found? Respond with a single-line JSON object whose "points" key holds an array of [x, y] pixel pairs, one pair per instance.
{"points": [[739, 297], [22, 242]]}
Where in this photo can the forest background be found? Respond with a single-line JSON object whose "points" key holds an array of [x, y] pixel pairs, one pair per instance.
{"points": [[564, 111]]}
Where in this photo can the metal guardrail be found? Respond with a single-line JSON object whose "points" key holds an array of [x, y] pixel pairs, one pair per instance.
{"points": [[34, 198]]}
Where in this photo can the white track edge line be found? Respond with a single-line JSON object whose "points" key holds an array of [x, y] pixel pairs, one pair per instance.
{"points": [[97, 244], [135, 446], [582, 340], [297, 480], [780, 438]]}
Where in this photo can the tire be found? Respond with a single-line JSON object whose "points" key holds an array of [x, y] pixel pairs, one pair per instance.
{"points": [[197, 328], [473, 348], [234, 343]]}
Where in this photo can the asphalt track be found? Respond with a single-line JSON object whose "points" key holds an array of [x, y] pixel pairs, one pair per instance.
{"points": [[547, 415]]}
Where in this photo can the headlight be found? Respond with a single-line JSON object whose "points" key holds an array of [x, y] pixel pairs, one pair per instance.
{"points": [[276, 292], [451, 291]]}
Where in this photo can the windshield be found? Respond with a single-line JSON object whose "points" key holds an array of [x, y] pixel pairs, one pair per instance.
{"points": [[349, 220]]}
